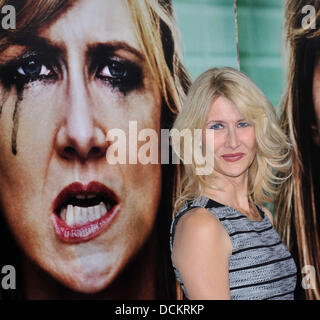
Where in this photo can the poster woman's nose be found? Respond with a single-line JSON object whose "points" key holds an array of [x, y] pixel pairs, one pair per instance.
{"points": [[80, 137]]}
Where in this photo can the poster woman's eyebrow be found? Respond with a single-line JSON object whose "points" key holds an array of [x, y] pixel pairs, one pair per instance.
{"points": [[37, 43], [111, 47]]}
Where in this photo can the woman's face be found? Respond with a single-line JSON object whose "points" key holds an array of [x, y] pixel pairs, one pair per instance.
{"points": [[78, 217], [234, 139]]}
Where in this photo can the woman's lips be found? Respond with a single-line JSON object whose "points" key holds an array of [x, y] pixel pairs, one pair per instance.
{"points": [[232, 157], [81, 212]]}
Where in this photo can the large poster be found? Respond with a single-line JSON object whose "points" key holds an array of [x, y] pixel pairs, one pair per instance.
{"points": [[89, 90]]}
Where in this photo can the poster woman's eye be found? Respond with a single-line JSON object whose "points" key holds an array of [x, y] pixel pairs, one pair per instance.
{"points": [[29, 69], [114, 70], [33, 69], [120, 74]]}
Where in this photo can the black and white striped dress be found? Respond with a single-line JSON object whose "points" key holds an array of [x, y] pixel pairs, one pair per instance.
{"points": [[260, 267]]}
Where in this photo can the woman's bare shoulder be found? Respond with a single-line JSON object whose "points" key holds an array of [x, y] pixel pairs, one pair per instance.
{"points": [[198, 215], [201, 225], [197, 220]]}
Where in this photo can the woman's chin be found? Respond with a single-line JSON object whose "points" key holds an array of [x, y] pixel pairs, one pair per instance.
{"points": [[86, 282]]}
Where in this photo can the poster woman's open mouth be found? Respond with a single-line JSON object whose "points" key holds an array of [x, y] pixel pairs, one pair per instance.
{"points": [[81, 212]]}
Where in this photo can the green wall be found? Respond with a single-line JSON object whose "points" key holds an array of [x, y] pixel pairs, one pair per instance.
{"points": [[260, 44], [208, 34]]}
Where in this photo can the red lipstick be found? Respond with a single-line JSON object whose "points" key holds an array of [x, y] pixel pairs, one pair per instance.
{"points": [[232, 157], [81, 212]]}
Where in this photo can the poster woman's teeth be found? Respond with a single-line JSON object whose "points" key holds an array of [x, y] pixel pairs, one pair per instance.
{"points": [[74, 215]]}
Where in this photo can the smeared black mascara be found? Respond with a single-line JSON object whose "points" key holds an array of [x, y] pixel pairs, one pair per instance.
{"points": [[15, 119]]}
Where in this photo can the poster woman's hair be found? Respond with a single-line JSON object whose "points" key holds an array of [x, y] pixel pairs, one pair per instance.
{"points": [[297, 207], [159, 41]]}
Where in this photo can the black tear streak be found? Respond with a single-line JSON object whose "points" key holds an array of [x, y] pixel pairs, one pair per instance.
{"points": [[15, 119]]}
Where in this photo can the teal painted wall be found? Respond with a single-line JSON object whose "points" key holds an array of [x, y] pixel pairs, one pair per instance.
{"points": [[209, 39], [261, 44], [208, 34]]}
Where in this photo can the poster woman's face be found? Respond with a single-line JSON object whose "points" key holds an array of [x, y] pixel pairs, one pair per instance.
{"points": [[78, 217]]}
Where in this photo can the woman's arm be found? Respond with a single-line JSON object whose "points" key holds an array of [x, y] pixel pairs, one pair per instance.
{"points": [[201, 252]]}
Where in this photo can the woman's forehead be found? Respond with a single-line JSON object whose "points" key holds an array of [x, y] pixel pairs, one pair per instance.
{"points": [[91, 22], [224, 108]]}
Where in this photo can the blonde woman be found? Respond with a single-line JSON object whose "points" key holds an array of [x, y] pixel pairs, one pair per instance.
{"points": [[223, 242], [70, 72], [297, 208]]}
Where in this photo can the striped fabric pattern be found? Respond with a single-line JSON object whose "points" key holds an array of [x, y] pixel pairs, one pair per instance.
{"points": [[260, 267]]}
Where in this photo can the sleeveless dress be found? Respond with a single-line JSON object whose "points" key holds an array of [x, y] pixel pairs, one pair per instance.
{"points": [[260, 267]]}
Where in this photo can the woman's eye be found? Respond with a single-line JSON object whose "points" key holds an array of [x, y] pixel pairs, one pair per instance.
{"points": [[114, 70], [217, 126], [123, 75], [33, 69], [243, 124], [23, 70]]}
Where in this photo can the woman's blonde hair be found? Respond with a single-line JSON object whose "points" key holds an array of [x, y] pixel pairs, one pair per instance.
{"points": [[297, 205], [159, 40], [273, 150]]}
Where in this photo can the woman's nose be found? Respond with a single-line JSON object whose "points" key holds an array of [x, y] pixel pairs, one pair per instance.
{"points": [[232, 140], [80, 137]]}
